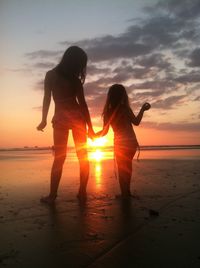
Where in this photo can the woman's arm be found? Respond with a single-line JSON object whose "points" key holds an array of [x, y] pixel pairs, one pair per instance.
{"points": [[102, 132], [137, 119], [46, 102], [84, 108]]}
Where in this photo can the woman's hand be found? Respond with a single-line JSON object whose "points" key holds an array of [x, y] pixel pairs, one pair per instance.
{"points": [[146, 106], [41, 126]]}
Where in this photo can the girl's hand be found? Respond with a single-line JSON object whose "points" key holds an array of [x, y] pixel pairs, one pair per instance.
{"points": [[98, 135], [146, 106], [91, 133], [41, 126]]}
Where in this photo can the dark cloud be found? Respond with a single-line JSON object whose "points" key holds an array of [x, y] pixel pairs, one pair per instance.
{"points": [[44, 65], [46, 54], [93, 69], [183, 9], [190, 77], [93, 88], [197, 98], [122, 73], [173, 126], [194, 58], [117, 49], [157, 60], [169, 102], [155, 56], [148, 94]]}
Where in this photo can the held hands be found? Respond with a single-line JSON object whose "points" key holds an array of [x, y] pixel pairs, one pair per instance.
{"points": [[41, 126], [91, 133], [146, 106]]}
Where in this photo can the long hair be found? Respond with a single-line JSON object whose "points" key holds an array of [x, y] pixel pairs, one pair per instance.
{"points": [[116, 97], [73, 64]]}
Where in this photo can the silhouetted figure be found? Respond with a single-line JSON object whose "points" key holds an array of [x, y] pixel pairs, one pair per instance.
{"points": [[65, 84], [118, 114]]}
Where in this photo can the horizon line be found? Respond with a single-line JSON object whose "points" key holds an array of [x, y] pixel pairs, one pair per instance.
{"points": [[26, 148]]}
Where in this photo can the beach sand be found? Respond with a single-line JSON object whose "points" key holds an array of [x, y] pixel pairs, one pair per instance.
{"points": [[158, 228]]}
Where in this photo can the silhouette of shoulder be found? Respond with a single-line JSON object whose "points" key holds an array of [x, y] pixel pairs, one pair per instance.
{"points": [[49, 77]]}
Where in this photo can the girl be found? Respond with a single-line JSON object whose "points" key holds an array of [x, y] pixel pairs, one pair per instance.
{"points": [[118, 114], [65, 84]]}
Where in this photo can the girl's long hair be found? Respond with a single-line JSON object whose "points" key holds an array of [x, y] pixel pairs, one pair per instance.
{"points": [[116, 97], [73, 64]]}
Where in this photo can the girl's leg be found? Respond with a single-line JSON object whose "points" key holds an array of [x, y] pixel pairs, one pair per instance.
{"points": [[124, 163], [80, 140], [60, 148]]}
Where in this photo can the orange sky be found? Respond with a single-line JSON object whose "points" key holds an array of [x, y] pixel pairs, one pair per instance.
{"points": [[157, 59]]}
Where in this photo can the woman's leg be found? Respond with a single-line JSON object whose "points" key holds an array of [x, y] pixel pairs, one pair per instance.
{"points": [[124, 164], [80, 140], [60, 147]]}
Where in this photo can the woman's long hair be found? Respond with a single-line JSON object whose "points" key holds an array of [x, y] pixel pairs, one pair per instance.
{"points": [[73, 64], [116, 97]]}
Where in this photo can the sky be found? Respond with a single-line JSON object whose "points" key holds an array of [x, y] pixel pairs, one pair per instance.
{"points": [[149, 46]]}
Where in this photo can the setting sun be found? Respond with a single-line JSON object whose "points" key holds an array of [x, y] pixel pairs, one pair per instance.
{"points": [[96, 155]]}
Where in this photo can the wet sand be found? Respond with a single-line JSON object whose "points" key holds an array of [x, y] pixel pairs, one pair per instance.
{"points": [[159, 228]]}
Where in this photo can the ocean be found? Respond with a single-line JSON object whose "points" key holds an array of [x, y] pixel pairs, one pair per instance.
{"points": [[183, 152]]}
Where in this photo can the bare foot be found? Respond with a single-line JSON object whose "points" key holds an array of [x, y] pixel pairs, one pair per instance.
{"points": [[123, 196], [48, 200], [82, 195]]}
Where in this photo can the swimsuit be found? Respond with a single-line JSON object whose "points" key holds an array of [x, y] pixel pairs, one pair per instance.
{"points": [[125, 141], [68, 115]]}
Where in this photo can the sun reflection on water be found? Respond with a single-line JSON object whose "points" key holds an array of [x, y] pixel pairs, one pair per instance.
{"points": [[98, 173], [96, 157]]}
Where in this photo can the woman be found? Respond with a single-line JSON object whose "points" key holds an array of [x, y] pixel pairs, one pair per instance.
{"points": [[118, 114], [65, 84]]}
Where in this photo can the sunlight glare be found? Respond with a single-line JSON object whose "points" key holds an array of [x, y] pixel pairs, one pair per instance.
{"points": [[96, 155], [97, 142]]}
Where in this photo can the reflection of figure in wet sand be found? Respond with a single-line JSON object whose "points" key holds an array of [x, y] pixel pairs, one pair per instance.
{"points": [[65, 84], [118, 114]]}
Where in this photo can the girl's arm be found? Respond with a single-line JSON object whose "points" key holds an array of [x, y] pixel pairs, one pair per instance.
{"points": [[46, 102], [104, 130], [84, 108], [137, 119]]}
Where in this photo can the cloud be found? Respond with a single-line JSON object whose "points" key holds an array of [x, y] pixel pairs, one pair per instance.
{"points": [[169, 102], [46, 54], [194, 58], [155, 57], [44, 65], [182, 9], [189, 77], [197, 98], [173, 126], [157, 60], [93, 69], [155, 85]]}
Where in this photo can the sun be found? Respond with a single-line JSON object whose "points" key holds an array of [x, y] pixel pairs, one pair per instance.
{"points": [[97, 155], [96, 148]]}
